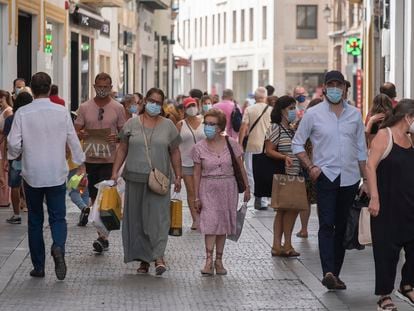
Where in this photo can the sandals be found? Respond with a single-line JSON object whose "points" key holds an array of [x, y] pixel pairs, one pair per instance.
{"points": [[402, 294], [218, 264], [208, 269], [160, 267], [386, 307], [143, 267], [290, 252], [278, 251]]}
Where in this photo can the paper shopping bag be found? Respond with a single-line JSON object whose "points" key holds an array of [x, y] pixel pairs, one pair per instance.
{"points": [[289, 193]]}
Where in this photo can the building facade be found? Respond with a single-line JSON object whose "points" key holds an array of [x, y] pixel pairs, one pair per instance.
{"points": [[34, 37], [243, 44]]}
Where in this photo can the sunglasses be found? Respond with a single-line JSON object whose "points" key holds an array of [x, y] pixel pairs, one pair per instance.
{"points": [[100, 114]]}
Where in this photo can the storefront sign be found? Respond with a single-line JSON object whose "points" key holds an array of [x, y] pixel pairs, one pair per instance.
{"points": [[87, 21], [106, 28]]}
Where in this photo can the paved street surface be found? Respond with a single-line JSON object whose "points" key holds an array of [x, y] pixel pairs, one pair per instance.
{"points": [[256, 281]]}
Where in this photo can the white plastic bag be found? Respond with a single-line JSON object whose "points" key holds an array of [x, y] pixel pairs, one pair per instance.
{"points": [[95, 216], [364, 230], [241, 215]]}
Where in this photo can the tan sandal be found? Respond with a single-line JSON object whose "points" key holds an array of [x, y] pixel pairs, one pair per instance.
{"points": [[160, 267], [278, 252], [290, 252], [208, 269], [218, 264], [143, 267]]}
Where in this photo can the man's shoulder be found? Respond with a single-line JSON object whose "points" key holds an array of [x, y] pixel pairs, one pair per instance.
{"points": [[115, 104]]}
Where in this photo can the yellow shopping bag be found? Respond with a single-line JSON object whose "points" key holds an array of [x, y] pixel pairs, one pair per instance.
{"points": [[111, 208], [176, 206]]}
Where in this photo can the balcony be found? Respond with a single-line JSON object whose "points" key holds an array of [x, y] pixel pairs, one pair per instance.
{"points": [[155, 4], [103, 3]]}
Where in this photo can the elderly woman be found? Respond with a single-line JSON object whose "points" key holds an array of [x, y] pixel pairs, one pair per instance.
{"points": [[216, 188], [390, 176], [146, 217], [192, 131]]}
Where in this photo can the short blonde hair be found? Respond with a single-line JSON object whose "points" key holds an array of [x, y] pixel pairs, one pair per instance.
{"points": [[221, 117]]}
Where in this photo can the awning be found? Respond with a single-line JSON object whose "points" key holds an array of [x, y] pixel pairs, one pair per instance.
{"points": [[179, 52]]}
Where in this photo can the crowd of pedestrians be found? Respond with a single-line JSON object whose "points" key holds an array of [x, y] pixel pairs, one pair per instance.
{"points": [[218, 149]]}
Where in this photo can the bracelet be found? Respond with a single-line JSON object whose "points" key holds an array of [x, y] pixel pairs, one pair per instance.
{"points": [[310, 167]]}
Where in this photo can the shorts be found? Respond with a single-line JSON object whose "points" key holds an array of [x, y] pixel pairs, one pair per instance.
{"points": [[15, 176], [97, 172], [187, 170]]}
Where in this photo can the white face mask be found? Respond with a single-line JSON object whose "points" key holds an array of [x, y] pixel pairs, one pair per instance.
{"points": [[411, 126], [192, 111]]}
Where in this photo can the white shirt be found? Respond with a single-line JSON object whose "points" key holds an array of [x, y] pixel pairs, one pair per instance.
{"points": [[40, 132]]}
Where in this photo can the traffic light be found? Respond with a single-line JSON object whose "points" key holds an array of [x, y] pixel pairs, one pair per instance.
{"points": [[354, 46]]}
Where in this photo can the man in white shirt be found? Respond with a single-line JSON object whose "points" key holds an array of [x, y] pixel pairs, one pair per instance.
{"points": [[40, 133], [256, 121]]}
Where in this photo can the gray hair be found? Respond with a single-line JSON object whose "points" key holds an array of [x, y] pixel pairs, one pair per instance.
{"points": [[128, 99], [260, 93], [228, 94]]}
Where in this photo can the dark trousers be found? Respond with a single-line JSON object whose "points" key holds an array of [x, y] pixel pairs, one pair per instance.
{"points": [[56, 208], [334, 203], [386, 257], [97, 172]]}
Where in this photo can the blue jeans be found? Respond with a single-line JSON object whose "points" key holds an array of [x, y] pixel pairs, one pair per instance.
{"points": [[56, 208], [334, 204], [80, 200]]}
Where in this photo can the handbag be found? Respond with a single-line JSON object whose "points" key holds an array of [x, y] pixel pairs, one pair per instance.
{"points": [[236, 168], [364, 227], [176, 212], [157, 181], [236, 118], [246, 138], [289, 193], [352, 226], [241, 215], [111, 208]]}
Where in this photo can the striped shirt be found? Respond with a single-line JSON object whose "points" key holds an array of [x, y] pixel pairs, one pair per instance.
{"points": [[281, 138]]}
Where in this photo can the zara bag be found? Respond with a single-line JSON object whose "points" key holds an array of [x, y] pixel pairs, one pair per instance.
{"points": [[157, 181]]}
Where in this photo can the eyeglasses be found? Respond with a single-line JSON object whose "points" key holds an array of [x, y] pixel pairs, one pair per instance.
{"points": [[210, 123], [100, 114]]}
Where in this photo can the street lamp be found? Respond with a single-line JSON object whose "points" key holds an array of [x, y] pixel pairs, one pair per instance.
{"points": [[327, 14]]}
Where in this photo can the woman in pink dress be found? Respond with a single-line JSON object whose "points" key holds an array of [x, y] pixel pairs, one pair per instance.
{"points": [[216, 188]]}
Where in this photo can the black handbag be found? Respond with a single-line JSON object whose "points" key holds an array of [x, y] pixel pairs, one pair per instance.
{"points": [[241, 186], [352, 226]]}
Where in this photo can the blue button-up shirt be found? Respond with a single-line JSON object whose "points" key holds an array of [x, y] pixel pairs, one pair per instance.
{"points": [[338, 142]]}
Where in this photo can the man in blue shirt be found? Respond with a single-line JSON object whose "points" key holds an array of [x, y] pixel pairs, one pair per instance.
{"points": [[336, 131]]}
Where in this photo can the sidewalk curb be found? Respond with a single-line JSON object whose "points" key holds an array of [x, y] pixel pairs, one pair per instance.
{"points": [[13, 262], [328, 299]]}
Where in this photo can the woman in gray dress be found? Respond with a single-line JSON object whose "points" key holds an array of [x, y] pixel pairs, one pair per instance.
{"points": [[146, 219]]}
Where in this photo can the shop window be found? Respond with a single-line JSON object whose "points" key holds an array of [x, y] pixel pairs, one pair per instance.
{"points": [[306, 21]]}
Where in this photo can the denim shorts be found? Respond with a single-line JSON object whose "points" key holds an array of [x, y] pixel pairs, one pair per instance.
{"points": [[15, 176]]}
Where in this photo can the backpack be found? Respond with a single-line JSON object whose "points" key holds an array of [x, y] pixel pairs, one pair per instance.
{"points": [[236, 118]]}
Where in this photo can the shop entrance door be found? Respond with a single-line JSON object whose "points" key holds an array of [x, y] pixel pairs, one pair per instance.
{"points": [[24, 47], [242, 84]]}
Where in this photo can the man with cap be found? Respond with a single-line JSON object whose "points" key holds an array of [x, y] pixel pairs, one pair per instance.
{"points": [[336, 131]]}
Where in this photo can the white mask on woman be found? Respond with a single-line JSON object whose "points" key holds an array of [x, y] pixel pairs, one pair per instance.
{"points": [[192, 111]]}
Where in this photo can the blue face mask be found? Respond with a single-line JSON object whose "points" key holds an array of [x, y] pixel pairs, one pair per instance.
{"points": [[291, 116], [301, 98], [207, 107], [334, 94], [210, 131], [133, 109], [153, 109]]}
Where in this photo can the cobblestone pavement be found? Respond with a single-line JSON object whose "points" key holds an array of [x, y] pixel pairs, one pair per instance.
{"points": [[256, 281]]}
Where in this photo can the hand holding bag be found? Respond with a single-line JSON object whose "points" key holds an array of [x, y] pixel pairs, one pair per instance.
{"points": [[241, 215], [237, 170], [157, 181], [289, 193]]}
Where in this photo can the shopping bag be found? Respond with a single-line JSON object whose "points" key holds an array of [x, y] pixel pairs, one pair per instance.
{"points": [[241, 215], [364, 233], [111, 208], [289, 193], [176, 212], [352, 230], [94, 215]]}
